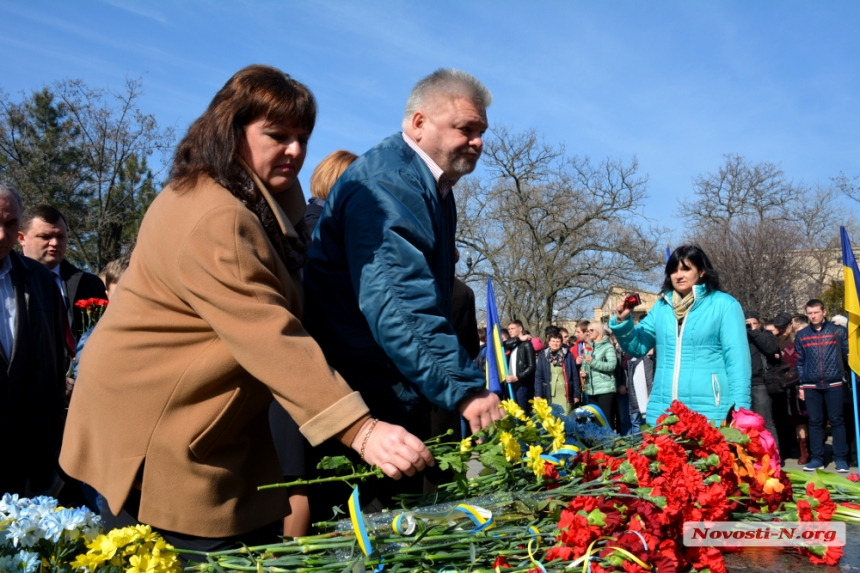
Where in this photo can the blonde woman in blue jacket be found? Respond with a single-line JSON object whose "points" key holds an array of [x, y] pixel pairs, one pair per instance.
{"points": [[699, 334]]}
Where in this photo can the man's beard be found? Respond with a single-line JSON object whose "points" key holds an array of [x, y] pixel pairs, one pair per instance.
{"points": [[462, 164]]}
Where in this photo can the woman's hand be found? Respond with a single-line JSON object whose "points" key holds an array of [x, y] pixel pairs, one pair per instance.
{"points": [[579, 359], [511, 379], [621, 312], [394, 450], [589, 359]]}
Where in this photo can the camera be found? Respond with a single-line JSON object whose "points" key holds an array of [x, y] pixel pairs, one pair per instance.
{"points": [[632, 300]]}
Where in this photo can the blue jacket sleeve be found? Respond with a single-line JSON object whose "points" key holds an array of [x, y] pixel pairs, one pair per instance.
{"points": [[635, 340], [800, 351], [541, 377], [388, 247], [736, 354], [573, 376]]}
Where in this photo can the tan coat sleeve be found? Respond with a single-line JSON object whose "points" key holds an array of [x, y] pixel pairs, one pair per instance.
{"points": [[226, 277]]}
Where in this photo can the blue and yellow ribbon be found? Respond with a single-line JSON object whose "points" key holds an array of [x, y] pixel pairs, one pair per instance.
{"points": [[358, 525], [597, 413], [405, 524]]}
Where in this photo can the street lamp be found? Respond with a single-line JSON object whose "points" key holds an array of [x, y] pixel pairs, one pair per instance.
{"points": [[469, 261]]}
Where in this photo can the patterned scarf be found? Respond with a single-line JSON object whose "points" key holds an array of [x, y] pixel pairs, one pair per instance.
{"points": [[682, 304], [556, 358], [292, 251]]}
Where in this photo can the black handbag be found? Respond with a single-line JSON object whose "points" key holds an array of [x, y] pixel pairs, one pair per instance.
{"points": [[778, 379]]}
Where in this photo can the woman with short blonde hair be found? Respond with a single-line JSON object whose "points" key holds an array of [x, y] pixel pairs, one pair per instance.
{"points": [[322, 180]]}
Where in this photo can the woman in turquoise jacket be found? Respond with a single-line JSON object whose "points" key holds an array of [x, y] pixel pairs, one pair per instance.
{"points": [[698, 331]]}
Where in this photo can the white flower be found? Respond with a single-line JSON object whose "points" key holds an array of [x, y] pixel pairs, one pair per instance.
{"points": [[26, 561], [6, 564], [23, 532]]}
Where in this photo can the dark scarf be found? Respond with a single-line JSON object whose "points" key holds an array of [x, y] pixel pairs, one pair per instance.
{"points": [[292, 251]]}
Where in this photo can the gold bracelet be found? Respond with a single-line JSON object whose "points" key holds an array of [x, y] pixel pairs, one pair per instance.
{"points": [[366, 436]]}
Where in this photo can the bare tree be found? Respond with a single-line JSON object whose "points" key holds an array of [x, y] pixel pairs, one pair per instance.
{"points": [[740, 188], [553, 230], [85, 152], [772, 241], [757, 261]]}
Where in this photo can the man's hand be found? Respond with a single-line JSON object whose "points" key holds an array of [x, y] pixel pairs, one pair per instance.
{"points": [[801, 395], [393, 449], [480, 410], [525, 337], [511, 379], [579, 359], [622, 389], [70, 385]]}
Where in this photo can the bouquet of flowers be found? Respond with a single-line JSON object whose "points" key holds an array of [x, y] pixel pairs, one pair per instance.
{"points": [[36, 536], [559, 492], [93, 309]]}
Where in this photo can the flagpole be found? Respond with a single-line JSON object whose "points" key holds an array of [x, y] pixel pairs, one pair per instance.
{"points": [[856, 425]]}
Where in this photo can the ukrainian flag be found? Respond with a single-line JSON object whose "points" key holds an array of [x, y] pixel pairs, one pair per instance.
{"points": [[497, 367], [852, 301]]}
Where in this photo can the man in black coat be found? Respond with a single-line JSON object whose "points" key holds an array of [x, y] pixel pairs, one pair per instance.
{"points": [[44, 236], [764, 350], [521, 365], [31, 362]]}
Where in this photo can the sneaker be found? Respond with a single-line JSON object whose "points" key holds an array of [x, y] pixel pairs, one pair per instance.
{"points": [[841, 467], [813, 465]]}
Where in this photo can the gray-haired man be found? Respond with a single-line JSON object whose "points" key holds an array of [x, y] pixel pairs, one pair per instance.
{"points": [[379, 279]]}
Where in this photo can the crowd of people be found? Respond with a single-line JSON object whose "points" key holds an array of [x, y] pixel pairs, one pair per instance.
{"points": [[247, 325], [697, 345]]}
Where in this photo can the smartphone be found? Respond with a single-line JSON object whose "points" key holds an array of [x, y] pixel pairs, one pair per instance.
{"points": [[632, 300]]}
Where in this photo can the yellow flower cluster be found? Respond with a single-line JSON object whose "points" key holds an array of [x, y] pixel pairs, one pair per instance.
{"points": [[513, 452], [535, 461], [542, 408], [513, 409], [466, 446], [135, 549], [553, 426]]}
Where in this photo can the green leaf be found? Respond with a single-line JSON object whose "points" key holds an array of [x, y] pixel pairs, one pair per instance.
{"points": [[338, 464], [734, 436]]}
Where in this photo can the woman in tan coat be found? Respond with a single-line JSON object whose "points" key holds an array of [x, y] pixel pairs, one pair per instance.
{"points": [[168, 419]]}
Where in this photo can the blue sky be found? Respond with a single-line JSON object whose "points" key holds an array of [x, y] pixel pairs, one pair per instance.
{"points": [[676, 84]]}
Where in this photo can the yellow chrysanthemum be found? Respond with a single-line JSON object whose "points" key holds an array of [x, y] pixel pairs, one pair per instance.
{"points": [[542, 408], [513, 453], [514, 410], [466, 446], [555, 428], [534, 460]]}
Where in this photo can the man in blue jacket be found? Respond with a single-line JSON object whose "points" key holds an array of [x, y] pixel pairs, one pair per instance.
{"points": [[822, 352], [380, 273]]}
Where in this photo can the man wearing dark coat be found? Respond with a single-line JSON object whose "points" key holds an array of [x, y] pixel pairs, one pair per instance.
{"points": [[379, 282], [31, 362], [44, 236]]}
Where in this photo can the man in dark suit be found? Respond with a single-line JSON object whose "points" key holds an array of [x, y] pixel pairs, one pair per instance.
{"points": [[44, 236], [31, 362]]}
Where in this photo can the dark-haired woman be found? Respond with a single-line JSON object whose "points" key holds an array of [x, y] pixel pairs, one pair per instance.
{"points": [[169, 415], [699, 334]]}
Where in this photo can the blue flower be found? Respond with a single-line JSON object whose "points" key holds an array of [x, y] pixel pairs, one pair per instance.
{"points": [[26, 561], [23, 532]]}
